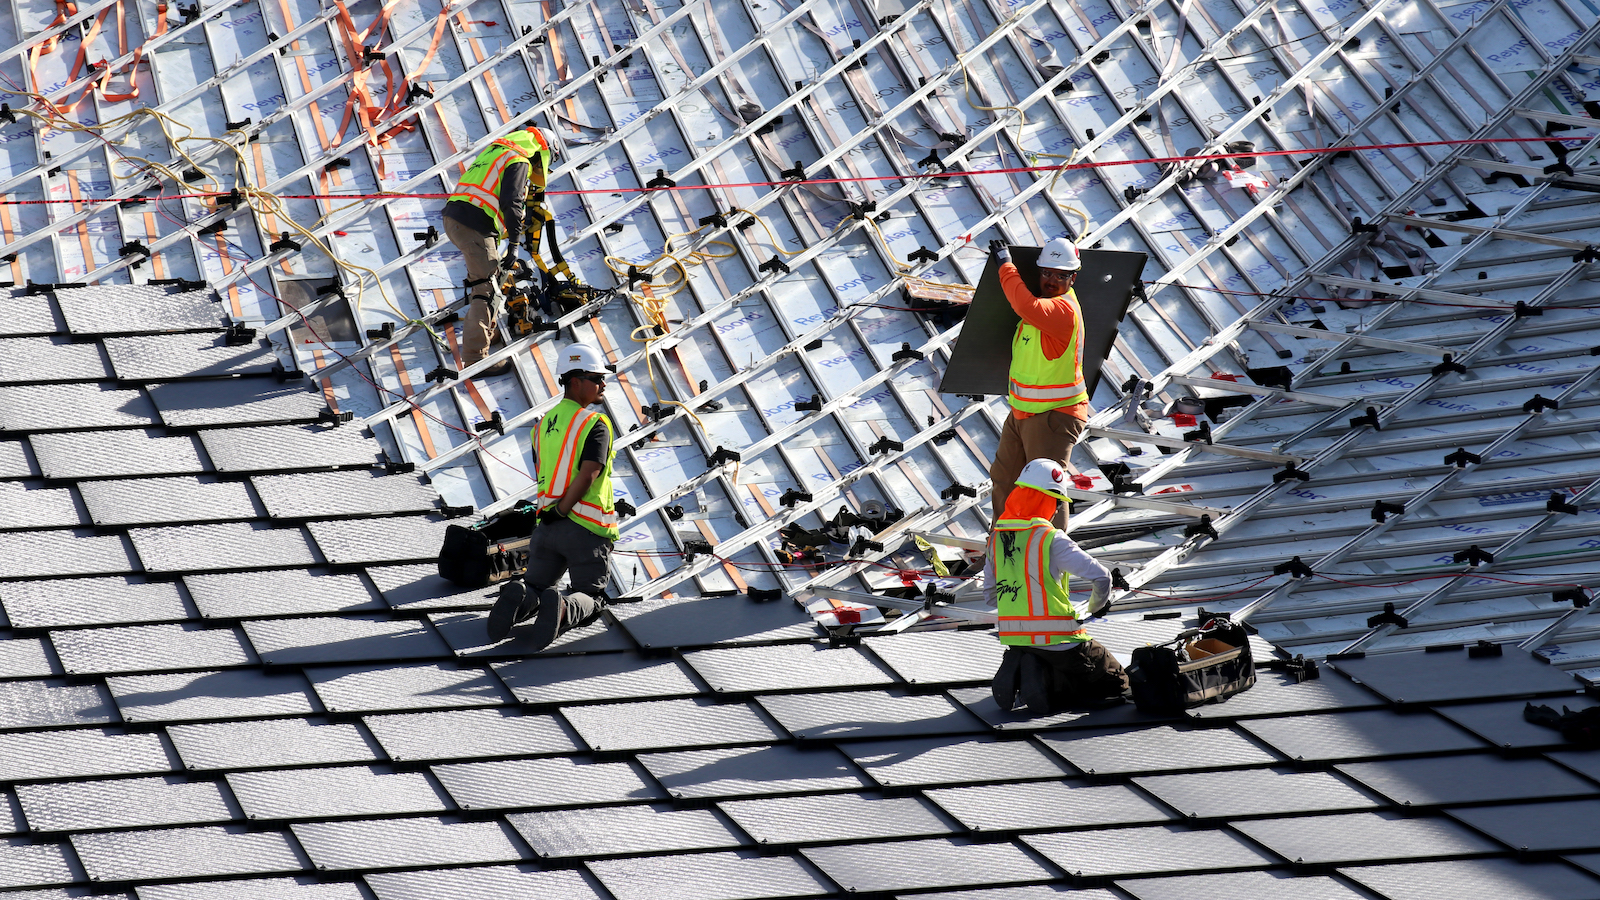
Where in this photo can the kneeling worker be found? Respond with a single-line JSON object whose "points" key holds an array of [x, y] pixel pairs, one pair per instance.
{"points": [[577, 518], [1050, 660]]}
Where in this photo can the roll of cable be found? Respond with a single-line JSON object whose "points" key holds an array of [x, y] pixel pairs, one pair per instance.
{"points": [[1186, 406]]}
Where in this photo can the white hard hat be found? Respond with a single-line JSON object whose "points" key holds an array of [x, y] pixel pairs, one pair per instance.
{"points": [[1046, 476], [1060, 254], [581, 357]]}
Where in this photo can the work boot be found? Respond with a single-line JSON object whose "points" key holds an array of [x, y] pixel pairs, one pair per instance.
{"points": [[1004, 687], [1033, 684], [515, 604], [503, 367], [547, 625]]}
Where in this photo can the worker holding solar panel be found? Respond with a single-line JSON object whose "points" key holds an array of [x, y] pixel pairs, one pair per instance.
{"points": [[577, 518], [1048, 395], [1050, 661], [490, 203]]}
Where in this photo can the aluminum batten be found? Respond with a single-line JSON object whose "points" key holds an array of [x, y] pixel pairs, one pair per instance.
{"points": [[1285, 234]]}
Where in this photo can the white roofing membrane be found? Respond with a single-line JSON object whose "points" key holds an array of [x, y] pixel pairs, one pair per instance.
{"points": [[1362, 272]]}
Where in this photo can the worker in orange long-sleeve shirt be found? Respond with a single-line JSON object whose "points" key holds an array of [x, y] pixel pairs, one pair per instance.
{"points": [[1048, 396]]}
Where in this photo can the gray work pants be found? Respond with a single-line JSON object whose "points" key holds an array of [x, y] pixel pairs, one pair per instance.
{"points": [[564, 546], [483, 263]]}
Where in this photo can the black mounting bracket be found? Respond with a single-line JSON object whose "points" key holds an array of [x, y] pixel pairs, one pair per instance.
{"points": [[1387, 617], [495, 423], [1381, 510]]}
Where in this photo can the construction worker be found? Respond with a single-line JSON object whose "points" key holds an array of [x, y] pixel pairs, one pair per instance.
{"points": [[577, 523], [489, 204], [1048, 396], [1050, 661]]}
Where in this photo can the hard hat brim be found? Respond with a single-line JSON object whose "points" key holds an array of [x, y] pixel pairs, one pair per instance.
{"points": [[1048, 492]]}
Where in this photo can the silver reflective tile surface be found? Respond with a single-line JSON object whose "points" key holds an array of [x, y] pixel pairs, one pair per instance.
{"points": [[168, 498]]}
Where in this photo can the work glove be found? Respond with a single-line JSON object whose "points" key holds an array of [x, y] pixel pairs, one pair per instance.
{"points": [[550, 515], [508, 263], [1099, 596], [1001, 250]]}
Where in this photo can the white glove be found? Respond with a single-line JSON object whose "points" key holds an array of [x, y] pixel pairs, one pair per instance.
{"points": [[1099, 596]]}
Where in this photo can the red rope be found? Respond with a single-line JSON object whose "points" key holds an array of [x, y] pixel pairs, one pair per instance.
{"points": [[1158, 160]]}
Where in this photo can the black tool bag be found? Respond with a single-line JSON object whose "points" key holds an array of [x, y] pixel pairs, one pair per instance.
{"points": [[1207, 666], [490, 551]]}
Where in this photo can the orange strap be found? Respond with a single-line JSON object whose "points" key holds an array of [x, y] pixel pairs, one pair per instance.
{"points": [[417, 417]]}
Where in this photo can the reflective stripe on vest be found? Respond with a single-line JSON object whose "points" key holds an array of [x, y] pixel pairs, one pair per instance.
{"points": [[560, 442], [1039, 384], [480, 184], [1034, 608]]}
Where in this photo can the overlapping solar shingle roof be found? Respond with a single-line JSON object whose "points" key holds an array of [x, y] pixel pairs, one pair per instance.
{"points": [[227, 668]]}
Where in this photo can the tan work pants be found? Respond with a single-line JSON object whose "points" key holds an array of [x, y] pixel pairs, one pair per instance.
{"points": [[483, 262], [1048, 435]]}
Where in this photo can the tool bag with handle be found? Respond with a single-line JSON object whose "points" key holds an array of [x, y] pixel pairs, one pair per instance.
{"points": [[490, 551], [1199, 666]]}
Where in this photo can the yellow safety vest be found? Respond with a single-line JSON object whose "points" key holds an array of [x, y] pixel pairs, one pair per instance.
{"points": [[1039, 384], [560, 441], [1035, 609], [480, 184]]}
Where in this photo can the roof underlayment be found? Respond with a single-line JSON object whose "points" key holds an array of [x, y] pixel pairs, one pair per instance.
{"points": [[227, 670]]}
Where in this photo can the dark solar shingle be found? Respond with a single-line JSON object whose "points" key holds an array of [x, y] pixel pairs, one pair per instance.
{"points": [[1046, 804], [1476, 878], [669, 724], [137, 308], [124, 803], [348, 638], [405, 843], [42, 703], [1562, 825], [470, 733], [383, 688], [208, 850], [826, 818], [240, 401], [902, 865], [932, 761], [1364, 836], [160, 501], [1254, 792], [278, 592], [1421, 677], [709, 876], [594, 676], [169, 356], [623, 830], [1161, 749], [1143, 851], [868, 714], [482, 883], [1478, 778], [546, 782], [334, 793], [225, 694], [748, 771], [785, 667]]}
